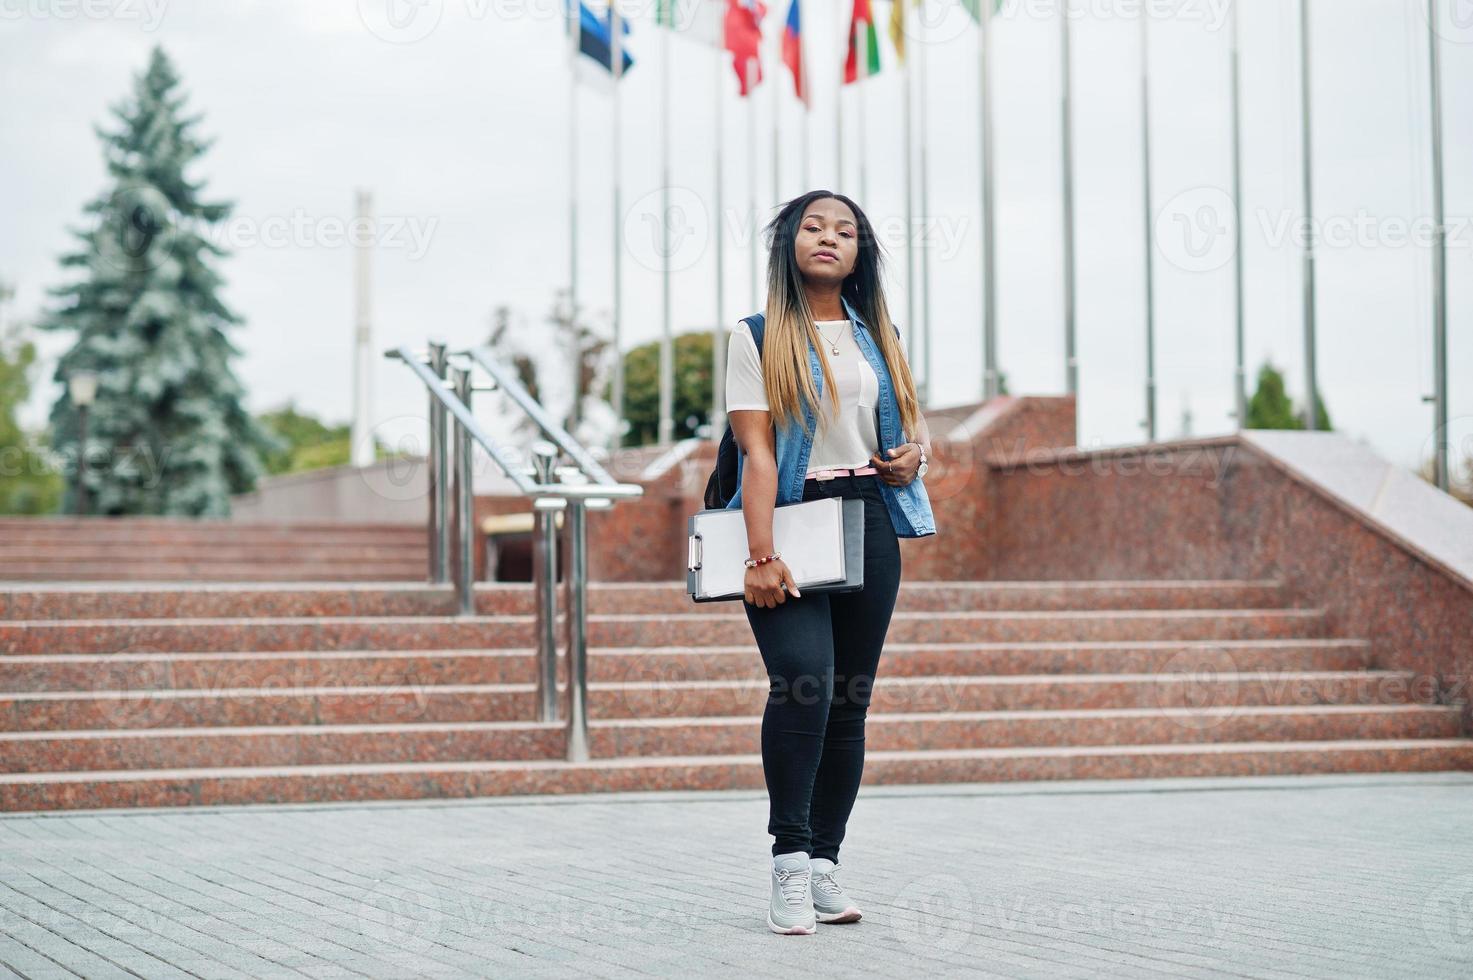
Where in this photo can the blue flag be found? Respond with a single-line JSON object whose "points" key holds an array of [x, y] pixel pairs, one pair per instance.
{"points": [[594, 37]]}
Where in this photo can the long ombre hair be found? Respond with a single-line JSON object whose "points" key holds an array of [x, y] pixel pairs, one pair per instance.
{"points": [[786, 374]]}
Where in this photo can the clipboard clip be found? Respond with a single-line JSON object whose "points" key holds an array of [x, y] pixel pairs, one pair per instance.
{"points": [[693, 553]]}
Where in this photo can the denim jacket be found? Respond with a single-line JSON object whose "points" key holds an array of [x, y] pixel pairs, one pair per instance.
{"points": [[909, 506]]}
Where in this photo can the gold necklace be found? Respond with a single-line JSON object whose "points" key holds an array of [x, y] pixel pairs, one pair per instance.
{"points": [[834, 343]]}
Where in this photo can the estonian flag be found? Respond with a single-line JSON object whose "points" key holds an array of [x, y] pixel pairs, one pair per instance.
{"points": [[594, 39]]}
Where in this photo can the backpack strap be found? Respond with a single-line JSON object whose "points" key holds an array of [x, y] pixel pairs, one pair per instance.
{"points": [[757, 326]]}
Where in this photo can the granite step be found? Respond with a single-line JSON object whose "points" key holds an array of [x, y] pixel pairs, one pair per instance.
{"points": [[159, 671], [71, 710], [672, 699], [183, 747], [443, 780], [65, 710], [985, 626], [297, 669], [169, 531], [210, 635], [277, 570], [233, 600], [1056, 657], [606, 630]]}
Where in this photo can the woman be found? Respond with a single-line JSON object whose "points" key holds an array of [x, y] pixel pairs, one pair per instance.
{"points": [[828, 342]]}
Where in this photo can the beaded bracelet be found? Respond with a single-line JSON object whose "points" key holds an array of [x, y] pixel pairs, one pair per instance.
{"points": [[754, 562]]}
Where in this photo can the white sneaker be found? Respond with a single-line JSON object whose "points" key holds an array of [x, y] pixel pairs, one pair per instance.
{"points": [[790, 911], [830, 904]]}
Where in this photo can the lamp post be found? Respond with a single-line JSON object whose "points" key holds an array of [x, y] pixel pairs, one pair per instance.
{"points": [[82, 387]]}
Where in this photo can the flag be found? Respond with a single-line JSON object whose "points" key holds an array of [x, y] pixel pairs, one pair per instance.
{"points": [[744, 40], [793, 52], [701, 21], [862, 64], [897, 27], [976, 12], [595, 39]]}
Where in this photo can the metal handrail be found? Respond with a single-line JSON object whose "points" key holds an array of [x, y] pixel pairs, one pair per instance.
{"points": [[452, 397]]}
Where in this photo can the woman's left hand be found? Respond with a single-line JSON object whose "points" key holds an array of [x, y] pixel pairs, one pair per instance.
{"points": [[899, 465]]}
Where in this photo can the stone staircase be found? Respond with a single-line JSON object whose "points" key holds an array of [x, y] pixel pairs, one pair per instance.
{"points": [[143, 695], [101, 549]]}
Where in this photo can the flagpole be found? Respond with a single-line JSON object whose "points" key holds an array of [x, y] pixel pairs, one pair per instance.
{"points": [[1150, 232], [667, 360], [752, 189], [863, 164], [616, 64], [718, 348], [574, 31], [990, 386], [1240, 376], [1311, 401], [922, 130], [1071, 354], [1439, 259], [777, 122], [908, 143]]}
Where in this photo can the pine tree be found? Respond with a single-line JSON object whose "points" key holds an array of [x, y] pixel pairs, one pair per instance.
{"points": [[1270, 407], [169, 432]]}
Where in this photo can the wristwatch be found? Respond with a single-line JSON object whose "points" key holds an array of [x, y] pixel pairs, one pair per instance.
{"points": [[921, 470]]}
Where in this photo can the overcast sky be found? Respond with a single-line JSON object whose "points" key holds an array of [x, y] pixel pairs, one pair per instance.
{"points": [[456, 118]]}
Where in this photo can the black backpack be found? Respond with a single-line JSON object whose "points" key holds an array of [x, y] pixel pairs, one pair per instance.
{"points": [[722, 484]]}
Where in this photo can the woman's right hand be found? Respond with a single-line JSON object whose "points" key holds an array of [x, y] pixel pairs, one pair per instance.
{"points": [[764, 584]]}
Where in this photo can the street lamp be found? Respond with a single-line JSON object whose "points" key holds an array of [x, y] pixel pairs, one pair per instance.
{"points": [[82, 387]]}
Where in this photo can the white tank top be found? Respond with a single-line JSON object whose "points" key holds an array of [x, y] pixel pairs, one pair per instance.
{"points": [[850, 439]]}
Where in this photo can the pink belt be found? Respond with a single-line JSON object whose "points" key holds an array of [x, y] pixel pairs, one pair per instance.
{"points": [[832, 474]]}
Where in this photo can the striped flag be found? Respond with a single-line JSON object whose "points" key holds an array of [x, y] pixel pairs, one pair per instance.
{"points": [[793, 52], [595, 41], [863, 59]]}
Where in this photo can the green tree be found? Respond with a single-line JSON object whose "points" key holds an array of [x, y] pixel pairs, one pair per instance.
{"points": [[307, 442], [28, 484], [1271, 408], [692, 396], [169, 432]]}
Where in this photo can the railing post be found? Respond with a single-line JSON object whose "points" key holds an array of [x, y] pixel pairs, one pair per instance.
{"points": [[465, 501], [577, 616], [544, 578], [439, 474]]}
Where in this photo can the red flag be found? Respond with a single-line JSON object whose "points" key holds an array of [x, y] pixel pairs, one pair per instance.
{"points": [[743, 40], [793, 51]]}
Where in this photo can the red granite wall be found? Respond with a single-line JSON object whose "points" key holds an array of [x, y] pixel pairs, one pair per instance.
{"points": [[1221, 509]]}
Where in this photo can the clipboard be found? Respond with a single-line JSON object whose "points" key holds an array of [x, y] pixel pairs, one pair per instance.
{"points": [[807, 539]]}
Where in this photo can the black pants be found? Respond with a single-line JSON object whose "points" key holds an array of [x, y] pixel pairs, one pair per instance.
{"points": [[821, 652]]}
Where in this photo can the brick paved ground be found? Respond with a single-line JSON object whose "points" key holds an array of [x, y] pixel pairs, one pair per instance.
{"points": [[1302, 876]]}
